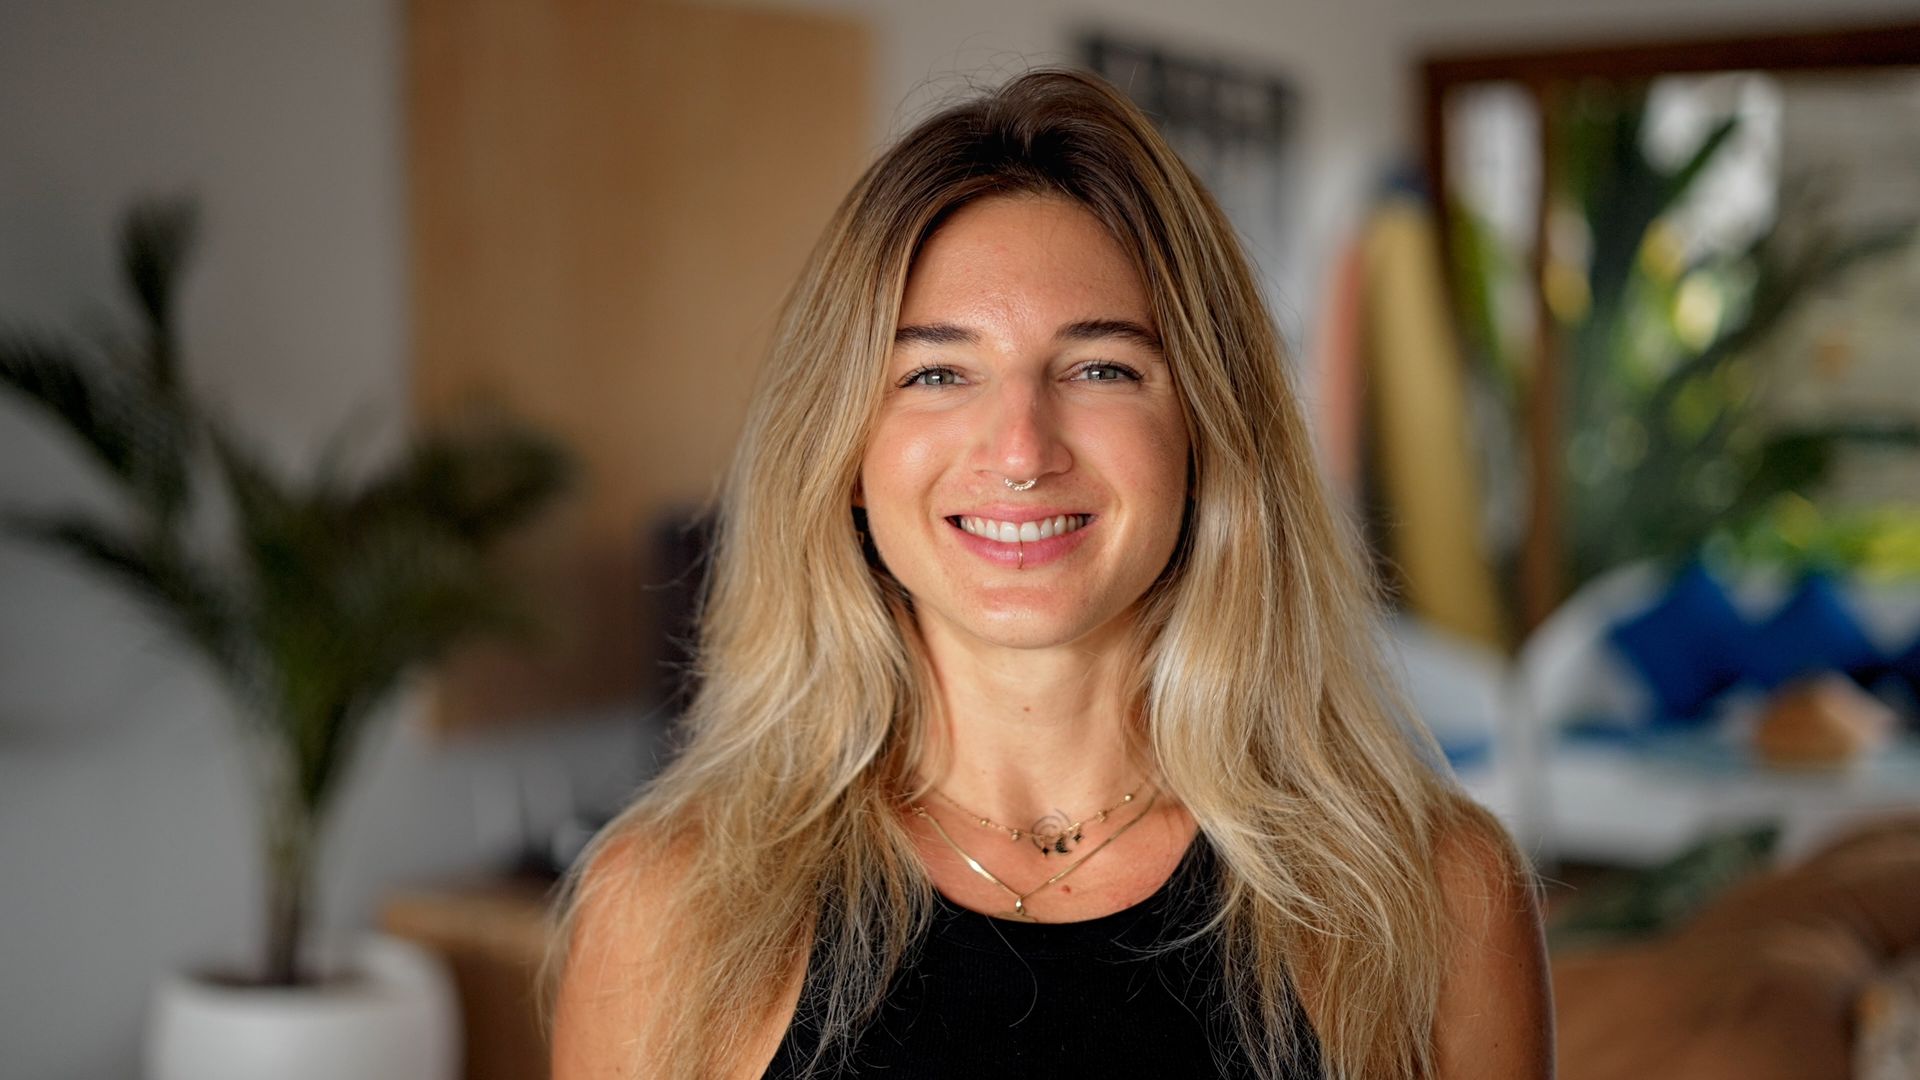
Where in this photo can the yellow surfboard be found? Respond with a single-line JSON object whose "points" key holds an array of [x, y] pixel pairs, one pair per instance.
{"points": [[1424, 456]]}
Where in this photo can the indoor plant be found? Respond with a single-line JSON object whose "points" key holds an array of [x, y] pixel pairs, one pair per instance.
{"points": [[309, 598], [1666, 445]]}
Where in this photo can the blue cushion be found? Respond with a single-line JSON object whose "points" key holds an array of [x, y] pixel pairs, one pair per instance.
{"points": [[1906, 665], [1689, 646], [1811, 633], [1465, 751]]}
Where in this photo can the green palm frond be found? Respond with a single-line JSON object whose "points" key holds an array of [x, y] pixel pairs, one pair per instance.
{"points": [[81, 395], [138, 441], [119, 400], [1679, 182], [1480, 265], [481, 480], [191, 599], [156, 240]]}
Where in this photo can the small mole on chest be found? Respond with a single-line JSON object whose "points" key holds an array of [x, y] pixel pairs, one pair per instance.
{"points": [[1066, 888]]}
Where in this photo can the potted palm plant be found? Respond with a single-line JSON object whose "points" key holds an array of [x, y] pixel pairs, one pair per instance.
{"points": [[310, 598]]}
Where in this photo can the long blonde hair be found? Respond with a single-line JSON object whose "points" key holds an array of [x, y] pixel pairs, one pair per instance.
{"points": [[1261, 689]]}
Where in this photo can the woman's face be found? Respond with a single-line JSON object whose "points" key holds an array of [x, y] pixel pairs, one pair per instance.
{"points": [[1026, 351]]}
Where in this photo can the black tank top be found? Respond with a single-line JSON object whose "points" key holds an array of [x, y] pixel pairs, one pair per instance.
{"points": [[982, 997]]}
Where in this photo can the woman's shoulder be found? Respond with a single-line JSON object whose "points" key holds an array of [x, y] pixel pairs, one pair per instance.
{"points": [[624, 930], [610, 943], [620, 872], [1473, 854], [1495, 1004], [621, 906]]}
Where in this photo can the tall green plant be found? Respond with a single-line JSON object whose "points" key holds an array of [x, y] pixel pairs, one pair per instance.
{"points": [[1665, 448], [311, 596]]}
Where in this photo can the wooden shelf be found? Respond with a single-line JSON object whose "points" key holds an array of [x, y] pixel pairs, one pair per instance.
{"points": [[493, 936]]}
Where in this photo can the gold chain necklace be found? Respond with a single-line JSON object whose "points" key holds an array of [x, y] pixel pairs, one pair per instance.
{"points": [[1020, 898], [1052, 834]]}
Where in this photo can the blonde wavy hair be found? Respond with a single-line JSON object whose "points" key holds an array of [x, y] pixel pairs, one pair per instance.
{"points": [[1262, 695]]}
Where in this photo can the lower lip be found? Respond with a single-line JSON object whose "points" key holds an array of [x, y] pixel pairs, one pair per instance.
{"points": [[1028, 555]]}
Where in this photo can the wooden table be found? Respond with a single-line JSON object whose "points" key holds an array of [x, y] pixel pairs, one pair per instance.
{"points": [[493, 935]]}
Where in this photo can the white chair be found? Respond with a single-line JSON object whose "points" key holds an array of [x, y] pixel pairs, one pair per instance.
{"points": [[1459, 689], [1641, 802]]}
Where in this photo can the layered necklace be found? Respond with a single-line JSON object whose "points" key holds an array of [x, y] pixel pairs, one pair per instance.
{"points": [[1020, 898], [1052, 834]]}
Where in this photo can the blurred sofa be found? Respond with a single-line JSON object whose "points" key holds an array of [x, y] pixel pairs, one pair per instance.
{"points": [[1785, 976]]}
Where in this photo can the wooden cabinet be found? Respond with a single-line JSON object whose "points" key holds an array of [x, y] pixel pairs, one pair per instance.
{"points": [[608, 201]]}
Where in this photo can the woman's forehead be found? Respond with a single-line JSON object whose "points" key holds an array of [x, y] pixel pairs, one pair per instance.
{"points": [[1011, 258]]}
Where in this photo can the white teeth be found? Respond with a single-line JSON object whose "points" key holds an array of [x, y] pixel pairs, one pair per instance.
{"points": [[1025, 532]]}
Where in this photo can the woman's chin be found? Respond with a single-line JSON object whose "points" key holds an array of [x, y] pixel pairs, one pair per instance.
{"points": [[1009, 623]]}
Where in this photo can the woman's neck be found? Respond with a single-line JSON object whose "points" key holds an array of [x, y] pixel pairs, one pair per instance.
{"points": [[1028, 732]]}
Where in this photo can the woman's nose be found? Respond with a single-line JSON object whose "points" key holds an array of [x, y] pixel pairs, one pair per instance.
{"points": [[1021, 438]]}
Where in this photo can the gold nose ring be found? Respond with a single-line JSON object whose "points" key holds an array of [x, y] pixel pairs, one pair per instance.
{"points": [[1022, 485]]}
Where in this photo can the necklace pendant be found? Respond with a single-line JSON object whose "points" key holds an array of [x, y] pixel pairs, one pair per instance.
{"points": [[1020, 909], [1054, 834], [1058, 841]]}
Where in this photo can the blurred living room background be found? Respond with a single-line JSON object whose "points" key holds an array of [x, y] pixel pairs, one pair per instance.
{"points": [[363, 315]]}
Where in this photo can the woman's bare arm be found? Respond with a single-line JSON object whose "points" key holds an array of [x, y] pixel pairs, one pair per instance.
{"points": [[612, 956], [1495, 1015], [621, 958]]}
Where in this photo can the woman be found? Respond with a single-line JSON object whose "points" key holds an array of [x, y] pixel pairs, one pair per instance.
{"points": [[1041, 730]]}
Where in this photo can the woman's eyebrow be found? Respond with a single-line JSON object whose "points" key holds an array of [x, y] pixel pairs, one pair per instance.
{"points": [[1083, 330], [1095, 329], [935, 334]]}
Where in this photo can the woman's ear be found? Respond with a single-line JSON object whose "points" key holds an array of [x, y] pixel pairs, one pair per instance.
{"points": [[859, 495]]}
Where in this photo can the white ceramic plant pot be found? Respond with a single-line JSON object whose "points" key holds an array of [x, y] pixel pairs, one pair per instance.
{"points": [[399, 1020]]}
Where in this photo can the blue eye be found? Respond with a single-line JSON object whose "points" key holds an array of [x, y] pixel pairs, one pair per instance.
{"points": [[1107, 372], [931, 376]]}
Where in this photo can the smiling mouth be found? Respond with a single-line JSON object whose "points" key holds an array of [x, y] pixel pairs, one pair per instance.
{"points": [[1026, 532]]}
